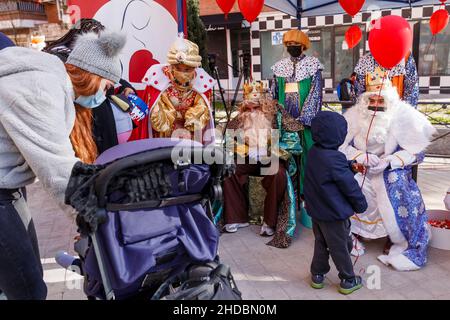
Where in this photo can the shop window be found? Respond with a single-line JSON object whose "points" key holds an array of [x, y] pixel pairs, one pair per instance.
{"points": [[272, 50], [321, 48], [217, 45], [434, 59], [345, 59], [240, 45]]}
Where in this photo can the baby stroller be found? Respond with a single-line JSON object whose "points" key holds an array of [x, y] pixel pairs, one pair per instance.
{"points": [[144, 213]]}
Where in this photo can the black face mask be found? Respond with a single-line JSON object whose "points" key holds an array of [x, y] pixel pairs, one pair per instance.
{"points": [[295, 51]]}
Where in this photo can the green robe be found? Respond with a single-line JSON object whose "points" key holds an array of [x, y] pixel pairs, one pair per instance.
{"points": [[304, 88]]}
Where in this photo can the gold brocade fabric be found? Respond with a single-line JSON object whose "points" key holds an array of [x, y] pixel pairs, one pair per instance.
{"points": [[197, 116], [178, 109], [163, 117]]}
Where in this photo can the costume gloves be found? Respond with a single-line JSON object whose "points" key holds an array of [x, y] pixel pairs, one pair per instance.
{"points": [[401, 159], [369, 160]]}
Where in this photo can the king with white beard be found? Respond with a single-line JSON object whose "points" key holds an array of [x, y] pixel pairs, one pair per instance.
{"points": [[396, 141]]}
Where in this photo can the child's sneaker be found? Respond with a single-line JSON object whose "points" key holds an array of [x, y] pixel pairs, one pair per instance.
{"points": [[350, 285], [317, 281]]}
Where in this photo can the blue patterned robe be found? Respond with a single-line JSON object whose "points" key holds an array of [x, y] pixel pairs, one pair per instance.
{"points": [[410, 213]]}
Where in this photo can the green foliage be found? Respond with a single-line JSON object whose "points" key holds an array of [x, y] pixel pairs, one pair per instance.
{"points": [[197, 30], [440, 120]]}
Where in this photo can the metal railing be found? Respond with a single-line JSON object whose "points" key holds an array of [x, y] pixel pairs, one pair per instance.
{"points": [[347, 104], [443, 106]]}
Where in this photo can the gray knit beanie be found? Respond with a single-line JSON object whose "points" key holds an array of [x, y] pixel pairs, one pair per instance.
{"points": [[99, 54]]}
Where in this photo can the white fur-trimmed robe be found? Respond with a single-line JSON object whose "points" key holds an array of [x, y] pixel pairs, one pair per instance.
{"points": [[408, 131]]}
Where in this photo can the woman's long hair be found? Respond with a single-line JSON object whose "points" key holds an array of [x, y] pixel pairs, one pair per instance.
{"points": [[84, 84]]}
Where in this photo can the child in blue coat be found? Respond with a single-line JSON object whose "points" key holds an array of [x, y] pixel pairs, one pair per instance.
{"points": [[332, 196]]}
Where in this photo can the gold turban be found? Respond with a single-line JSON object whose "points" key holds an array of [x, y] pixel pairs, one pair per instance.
{"points": [[297, 36], [184, 52]]}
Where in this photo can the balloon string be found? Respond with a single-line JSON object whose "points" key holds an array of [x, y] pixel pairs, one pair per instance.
{"points": [[355, 243], [432, 41], [370, 128]]}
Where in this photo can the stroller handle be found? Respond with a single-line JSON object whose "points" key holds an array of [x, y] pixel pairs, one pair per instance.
{"points": [[186, 154]]}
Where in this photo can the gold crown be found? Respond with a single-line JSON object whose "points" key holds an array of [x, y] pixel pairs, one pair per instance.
{"points": [[253, 88], [377, 80], [184, 52]]}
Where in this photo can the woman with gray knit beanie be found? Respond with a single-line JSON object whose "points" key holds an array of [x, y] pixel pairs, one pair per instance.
{"points": [[42, 136]]}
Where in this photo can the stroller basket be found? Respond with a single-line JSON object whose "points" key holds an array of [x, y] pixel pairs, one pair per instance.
{"points": [[154, 215]]}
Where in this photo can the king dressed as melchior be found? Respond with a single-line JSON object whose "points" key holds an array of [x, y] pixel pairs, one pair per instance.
{"points": [[178, 94], [389, 137]]}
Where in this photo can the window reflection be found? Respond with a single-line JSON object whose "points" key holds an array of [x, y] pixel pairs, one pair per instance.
{"points": [[434, 59], [272, 50], [345, 59]]}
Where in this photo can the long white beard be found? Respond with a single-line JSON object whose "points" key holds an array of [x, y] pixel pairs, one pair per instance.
{"points": [[379, 130], [257, 129]]}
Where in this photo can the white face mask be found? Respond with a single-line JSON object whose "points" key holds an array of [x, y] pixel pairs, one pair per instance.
{"points": [[92, 101]]}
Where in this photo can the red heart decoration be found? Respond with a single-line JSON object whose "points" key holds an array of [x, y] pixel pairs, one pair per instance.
{"points": [[438, 21], [140, 62], [226, 5], [251, 9], [353, 36], [352, 7]]}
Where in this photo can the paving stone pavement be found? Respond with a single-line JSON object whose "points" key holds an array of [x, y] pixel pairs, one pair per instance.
{"points": [[264, 272]]}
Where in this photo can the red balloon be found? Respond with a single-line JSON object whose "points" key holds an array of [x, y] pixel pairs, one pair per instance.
{"points": [[443, 1], [390, 40], [438, 21], [353, 36], [226, 5], [352, 7], [251, 9]]}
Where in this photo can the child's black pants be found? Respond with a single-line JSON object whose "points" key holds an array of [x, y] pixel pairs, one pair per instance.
{"points": [[332, 238]]}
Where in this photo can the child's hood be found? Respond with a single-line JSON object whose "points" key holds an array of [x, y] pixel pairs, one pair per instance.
{"points": [[329, 129]]}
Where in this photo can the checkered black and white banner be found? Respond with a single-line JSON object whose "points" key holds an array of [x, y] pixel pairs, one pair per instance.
{"points": [[277, 21]]}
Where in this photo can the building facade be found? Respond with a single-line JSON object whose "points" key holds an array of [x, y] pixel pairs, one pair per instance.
{"points": [[327, 36], [26, 20], [228, 40]]}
